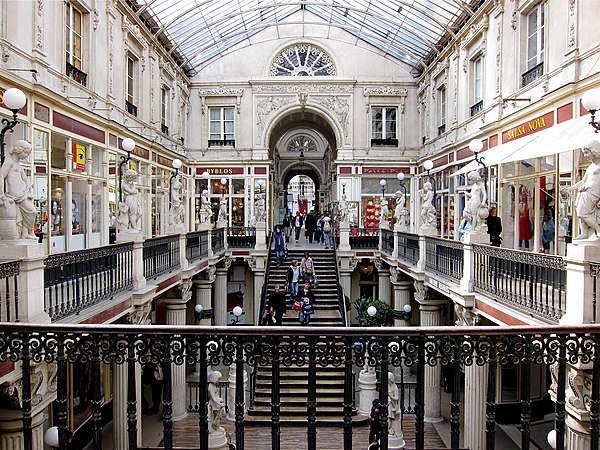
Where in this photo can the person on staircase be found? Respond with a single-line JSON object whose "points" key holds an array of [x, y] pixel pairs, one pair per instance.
{"points": [[287, 227], [279, 240], [276, 306], [328, 231], [293, 278], [310, 224], [307, 263], [298, 223], [308, 298]]}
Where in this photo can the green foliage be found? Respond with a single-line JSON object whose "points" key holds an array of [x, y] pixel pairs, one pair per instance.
{"points": [[383, 318], [360, 306]]}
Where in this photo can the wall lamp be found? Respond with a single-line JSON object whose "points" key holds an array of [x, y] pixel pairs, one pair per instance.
{"points": [[344, 182], [128, 145], [201, 313], [382, 183], [223, 184], [405, 314], [400, 177], [176, 165], [428, 165], [591, 102], [261, 184], [237, 312], [14, 99]]}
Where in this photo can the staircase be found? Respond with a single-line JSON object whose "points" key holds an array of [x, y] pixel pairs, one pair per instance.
{"points": [[294, 379]]}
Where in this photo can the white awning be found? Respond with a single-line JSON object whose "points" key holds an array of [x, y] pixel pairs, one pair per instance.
{"points": [[496, 155], [570, 135]]}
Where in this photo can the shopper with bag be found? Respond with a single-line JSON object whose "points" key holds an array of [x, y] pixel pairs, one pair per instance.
{"points": [[328, 232], [293, 277], [307, 298], [307, 263]]}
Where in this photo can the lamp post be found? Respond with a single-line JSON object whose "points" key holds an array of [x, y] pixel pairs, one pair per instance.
{"points": [[382, 183], [128, 145], [428, 165], [591, 102], [201, 313], [476, 146], [400, 177], [261, 184], [13, 99], [223, 184], [344, 182], [405, 314], [237, 312], [176, 165]]}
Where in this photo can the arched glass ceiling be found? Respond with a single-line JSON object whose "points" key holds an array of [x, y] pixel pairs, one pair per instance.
{"points": [[195, 31]]}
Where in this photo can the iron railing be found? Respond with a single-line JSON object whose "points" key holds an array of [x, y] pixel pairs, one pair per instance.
{"points": [[595, 273], [265, 287], [340, 292], [9, 292], [444, 257], [196, 245], [532, 74], [217, 240], [161, 255], [76, 74], [387, 242], [408, 247], [485, 349], [524, 280], [76, 280], [193, 395], [241, 237], [477, 108], [131, 108], [364, 238]]}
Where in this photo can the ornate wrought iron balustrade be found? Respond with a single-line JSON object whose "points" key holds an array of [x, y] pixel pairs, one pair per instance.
{"points": [[444, 257], [9, 292], [532, 74], [595, 273], [528, 281], [408, 247], [76, 74], [218, 240], [76, 280], [196, 245], [387, 242], [241, 237], [161, 255], [364, 238], [485, 349]]}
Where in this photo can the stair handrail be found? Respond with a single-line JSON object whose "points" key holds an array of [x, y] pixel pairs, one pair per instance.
{"points": [[263, 291], [340, 292]]}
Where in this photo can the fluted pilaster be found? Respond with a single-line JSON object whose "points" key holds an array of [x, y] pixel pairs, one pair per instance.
{"points": [[431, 316], [220, 305], [175, 315]]}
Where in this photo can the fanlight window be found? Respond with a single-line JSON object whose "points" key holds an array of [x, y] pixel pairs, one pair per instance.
{"points": [[302, 60], [302, 144]]}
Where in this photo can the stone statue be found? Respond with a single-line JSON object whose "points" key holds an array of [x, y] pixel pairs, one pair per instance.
{"points": [[222, 217], [383, 219], [176, 214], [259, 206], [252, 222], [427, 208], [394, 413], [216, 405], [400, 211], [343, 207], [588, 194], [476, 209], [205, 209], [129, 208], [16, 195]]}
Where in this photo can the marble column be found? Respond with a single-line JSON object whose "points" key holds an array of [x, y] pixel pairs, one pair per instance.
{"points": [[385, 286], [220, 299], [204, 287], [346, 282], [175, 315], [430, 316]]}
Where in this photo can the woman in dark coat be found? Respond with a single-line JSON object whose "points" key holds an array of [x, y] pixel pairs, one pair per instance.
{"points": [[494, 224]]}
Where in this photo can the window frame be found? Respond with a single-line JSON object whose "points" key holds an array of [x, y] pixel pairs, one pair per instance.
{"points": [[442, 105], [222, 138], [384, 139], [477, 81], [540, 29], [131, 83], [69, 31], [165, 94]]}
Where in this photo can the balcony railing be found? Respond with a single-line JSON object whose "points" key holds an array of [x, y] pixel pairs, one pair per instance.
{"points": [[221, 142], [441, 129], [77, 280], [408, 247], [196, 246], [444, 257], [75, 74], [364, 238], [9, 292], [477, 108], [532, 74], [387, 242], [164, 129], [480, 353], [218, 240], [241, 237], [131, 108], [529, 281], [387, 142], [161, 255]]}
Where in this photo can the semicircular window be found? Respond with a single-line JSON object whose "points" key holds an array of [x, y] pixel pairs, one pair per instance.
{"points": [[302, 144], [302, 60]]}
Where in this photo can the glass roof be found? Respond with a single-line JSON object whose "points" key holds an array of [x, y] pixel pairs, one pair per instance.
{"points": [[196, 31]]}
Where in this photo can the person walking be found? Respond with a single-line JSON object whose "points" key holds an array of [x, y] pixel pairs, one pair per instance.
{"points": [[287, 227], [279, 241], [309, 225], [293, 277], [298, 223], [276, 305], [494, 225], [548, 231], [307, 263], [319, 229], [307, 297], [328, 232]]}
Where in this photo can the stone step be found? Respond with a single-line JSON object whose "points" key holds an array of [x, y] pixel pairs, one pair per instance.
{"points": [[296, 421]]}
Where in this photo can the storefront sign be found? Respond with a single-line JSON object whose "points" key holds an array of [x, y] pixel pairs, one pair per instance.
{"points": [[384, 170], [533, 126], [218, 171], [79, 157]]}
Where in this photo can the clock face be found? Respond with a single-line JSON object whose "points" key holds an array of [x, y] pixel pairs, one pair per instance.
{"points": [[302, 143]]}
